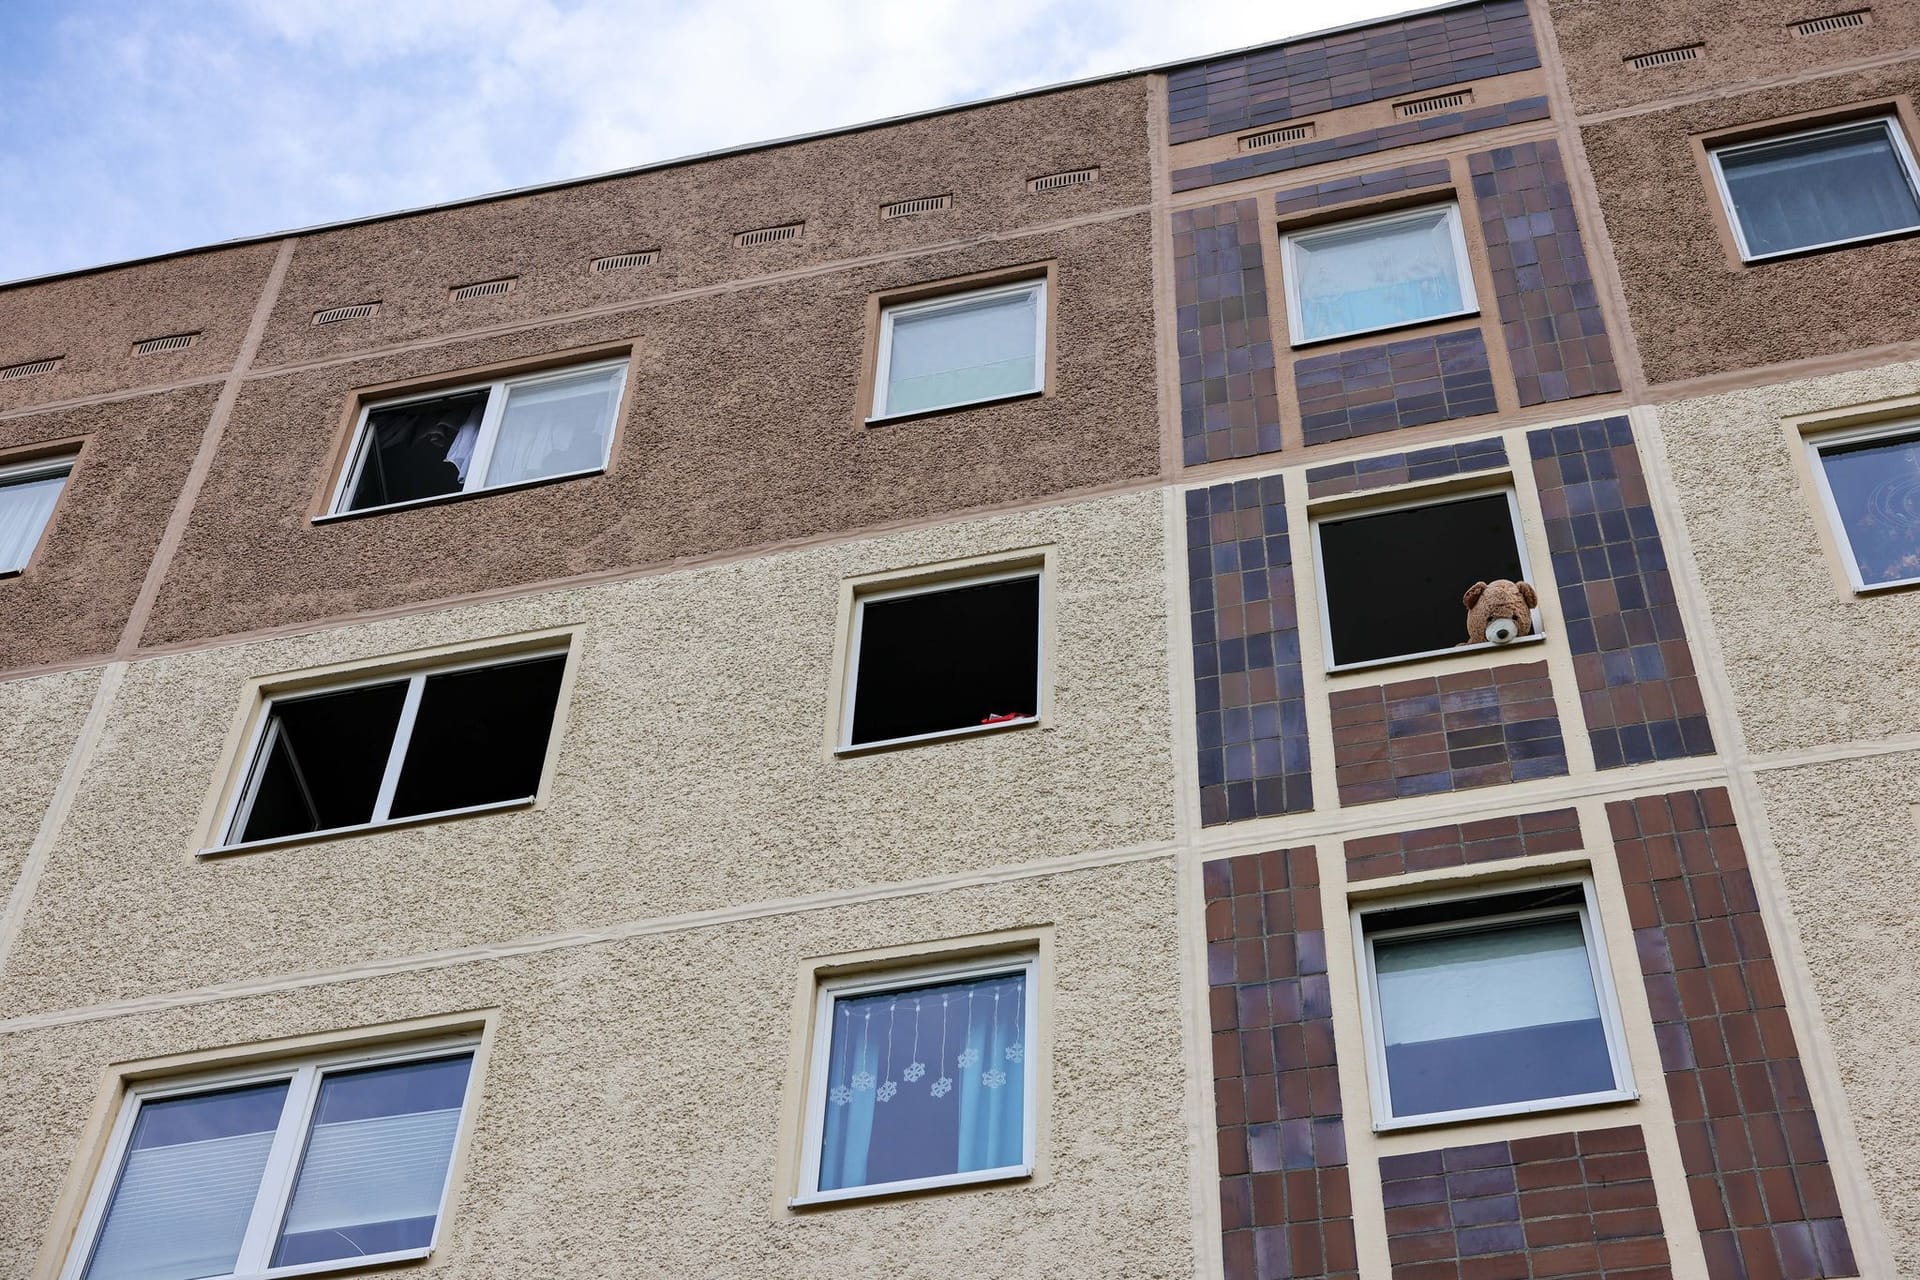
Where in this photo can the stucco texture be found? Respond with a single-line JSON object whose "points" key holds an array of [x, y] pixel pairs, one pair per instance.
{"points": [[630, 1116], [40, 723], [1846, 834], [692, 774], [1696, 310]]}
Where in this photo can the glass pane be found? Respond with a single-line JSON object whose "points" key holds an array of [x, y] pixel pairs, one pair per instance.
{"points": [[1801, 192], [552, 428], [1479, 1018], [326, 754], [187, 1186], [967, 351], [481, 737], [925, 1082], [376, 1161], [1361, 278], [1876, 489], [25, 506], [418, 450], [938, 660]]}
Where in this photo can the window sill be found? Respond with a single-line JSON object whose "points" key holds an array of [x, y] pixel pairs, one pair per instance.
{"points": [[337, 1264], [438, 499], [1867, 589], [1302, 344], [364, 828], [882, 1190], [1612, 1098], [888, 419], [966, 731], [1485, 646], [1806, 251]]}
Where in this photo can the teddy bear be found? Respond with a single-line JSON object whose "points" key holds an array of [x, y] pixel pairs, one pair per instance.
{"points": [[1498, 611]]}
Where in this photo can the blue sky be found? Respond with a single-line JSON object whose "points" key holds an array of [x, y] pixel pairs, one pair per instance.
{"points": [[131, 128]]}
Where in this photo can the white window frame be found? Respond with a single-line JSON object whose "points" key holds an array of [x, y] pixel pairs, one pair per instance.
{"points": [[497, 390], [832, 990], [1816, 444], [43, 468], [1316, 520], [1901, 151], [865, 598], [239, 808], [1291, 242], [944, 302], [1597, 961], [304, 1076]]}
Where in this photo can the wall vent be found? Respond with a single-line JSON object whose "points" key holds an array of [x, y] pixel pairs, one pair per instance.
{"points": [[1277, 137], [1071, 178], [907, 208], [485, 289], [172, 342], [1414, 108], [768, 235], [626, 261], [1832, 22], [28, 369], [334, 315], [1664, 57]]}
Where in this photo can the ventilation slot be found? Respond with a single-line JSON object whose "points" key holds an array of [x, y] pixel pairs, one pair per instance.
{"points": [[626, 261], [1664, 57], [1277, 137], [172, 342], [1417, 107], [907, 208], [485, 289], [28, 369], [768, 235], [334, 315], [1832, 22], [1071, 178]]}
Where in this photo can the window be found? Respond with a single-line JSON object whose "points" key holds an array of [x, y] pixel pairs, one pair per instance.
{"points": [[1392, 580], [28, 491], [1825, 187], [1871, 483], [1490, 1005], [1377, 273], [962, 349], [405, 747], [951, 658], [921, 1080], [337, 1161], [488, 436]]}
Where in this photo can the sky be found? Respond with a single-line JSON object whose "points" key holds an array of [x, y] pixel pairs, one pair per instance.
{"points": [[135, 127]]}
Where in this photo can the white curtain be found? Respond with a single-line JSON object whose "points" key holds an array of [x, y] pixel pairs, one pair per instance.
{"points": [[376, 1169], [181, 1211], [1811, 191], [969, 351], [1374, 277], [552, 428], [24, 509], [1525, 975]]}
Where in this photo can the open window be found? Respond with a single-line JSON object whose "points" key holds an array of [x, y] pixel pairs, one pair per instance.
{"points": [[961, 348], [943, 659], [1392, 580], [492, 435], [28, 492], [1377, 273], [1819, 188], [429, 744], [1870, 482]]}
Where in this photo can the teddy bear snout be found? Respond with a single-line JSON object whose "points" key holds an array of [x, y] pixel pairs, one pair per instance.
{"points": [[1502, 630]]}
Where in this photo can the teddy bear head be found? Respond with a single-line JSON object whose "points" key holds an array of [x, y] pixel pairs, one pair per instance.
{"points": [[1498, 611]]}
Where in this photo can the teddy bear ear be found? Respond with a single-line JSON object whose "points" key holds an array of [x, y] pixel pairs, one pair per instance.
{"points": [[1528, 594], [1473, 593]]}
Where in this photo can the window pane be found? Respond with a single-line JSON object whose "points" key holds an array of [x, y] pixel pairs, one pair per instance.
{"points": [[25, 506], [480, 737], [326, 754], [926, 1082], [376, 1161], [939, 660], [418, 450], [1361, 278], [1394, 580], [186, 1189], [967, 351], [552, 428], [1492, 1016], [1876, 489], [1800, 192]]}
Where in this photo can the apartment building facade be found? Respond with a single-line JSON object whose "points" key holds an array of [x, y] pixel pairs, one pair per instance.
{"points": [[1285, 666]]}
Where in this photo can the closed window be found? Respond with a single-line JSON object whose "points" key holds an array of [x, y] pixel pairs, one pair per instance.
{"points": [[1824, 187], [487, 436], [1490, 1005], [333, 1162], [1377, 273], [921, 1080], [962, 349], [28, 491], [1870, 481]]}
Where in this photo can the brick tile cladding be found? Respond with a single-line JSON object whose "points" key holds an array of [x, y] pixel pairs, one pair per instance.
{"points": [[1285, 1209], [1446, 733], [1549, 308], [1381, 182], [1756, 1167], [1437, 463], [1465, 845], [1367, 390], [1228, 402], [1574, 1206], [1252, 711], [1638, 690]]}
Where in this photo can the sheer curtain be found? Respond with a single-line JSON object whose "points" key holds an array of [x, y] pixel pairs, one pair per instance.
{"points": [[552, 428], [969, 351], [1374, 277], [25, 506], [1801, 192]]}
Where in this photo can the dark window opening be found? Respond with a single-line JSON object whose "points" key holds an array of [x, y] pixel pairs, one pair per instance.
{"points": [[1394, 580], [935, 661], [422, 449], [480, 737], [325, 757]]}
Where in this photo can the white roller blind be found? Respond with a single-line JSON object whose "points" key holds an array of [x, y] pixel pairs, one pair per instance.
{"points": [[24, 509], [1464, 984], [550, 428], [380, 1169], [969, 351], [181, 1211], [1376, 276]]}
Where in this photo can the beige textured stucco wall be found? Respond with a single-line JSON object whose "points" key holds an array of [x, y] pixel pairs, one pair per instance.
{"points": [[692, 774], [40, 722], [630, 1117]]}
